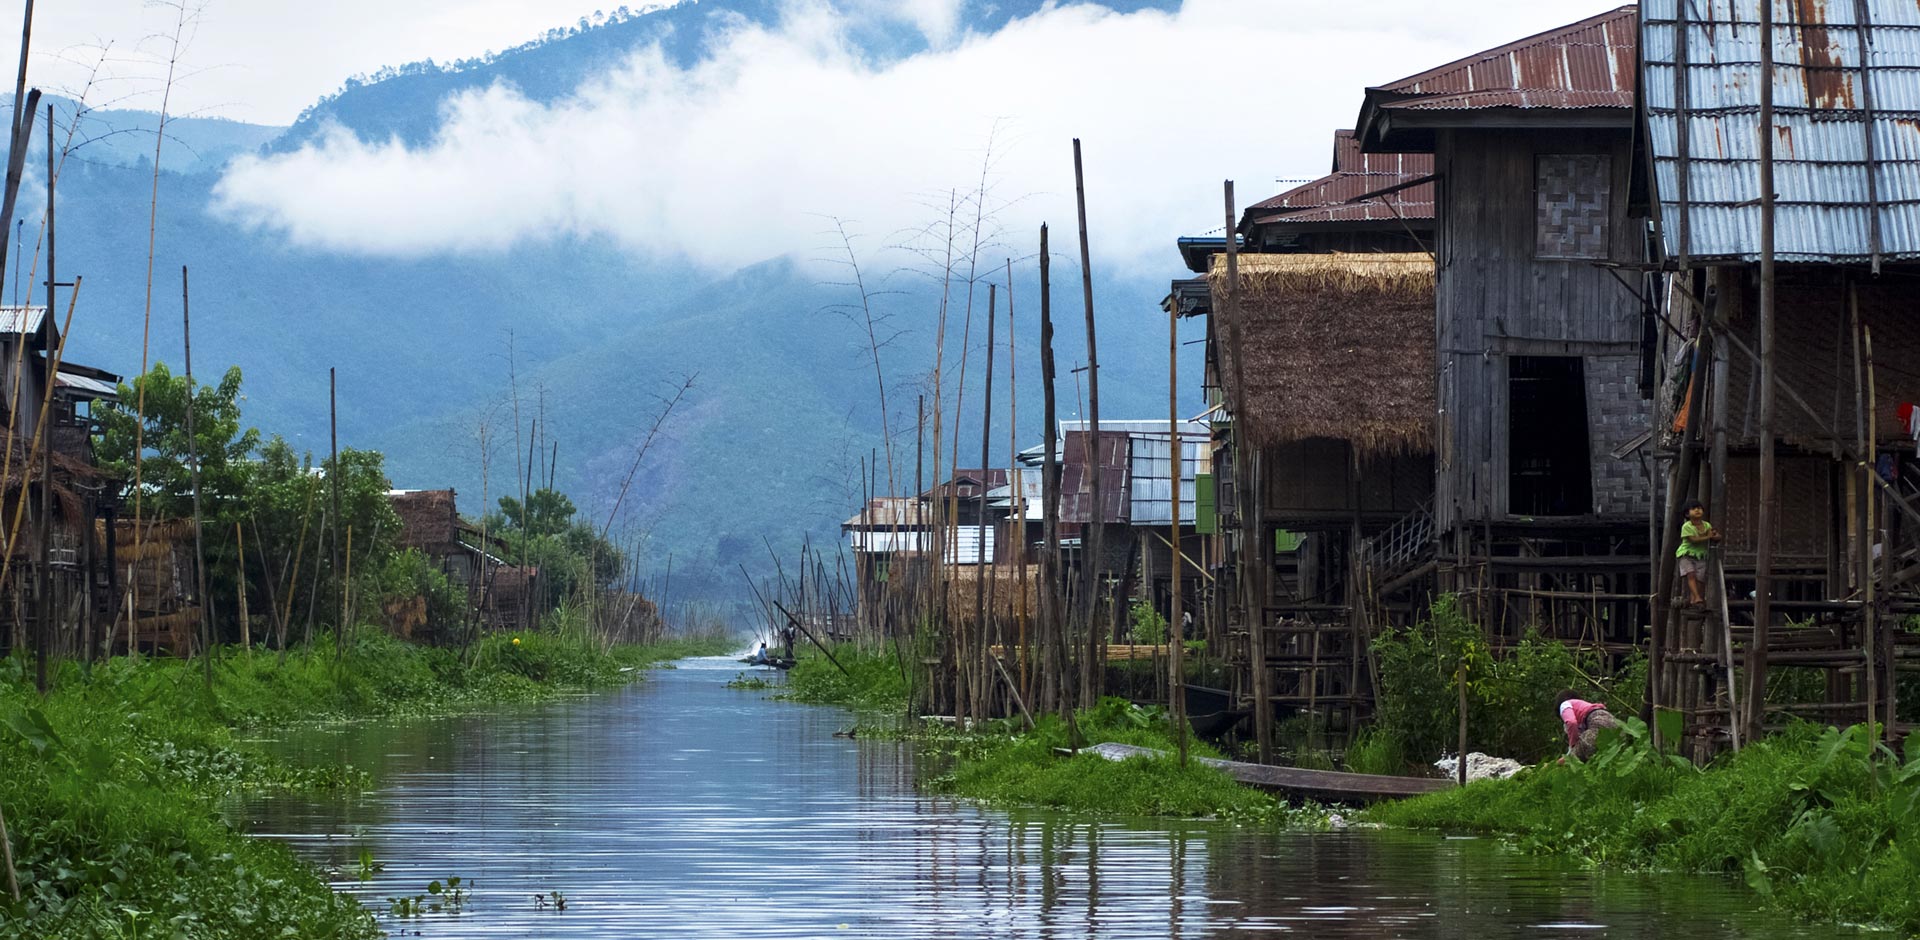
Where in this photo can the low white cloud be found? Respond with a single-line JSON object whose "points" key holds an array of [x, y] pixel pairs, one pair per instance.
{"points": [[735, 159]]}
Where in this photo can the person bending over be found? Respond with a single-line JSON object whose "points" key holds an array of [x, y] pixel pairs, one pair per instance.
{"points": [[1584, 721]]}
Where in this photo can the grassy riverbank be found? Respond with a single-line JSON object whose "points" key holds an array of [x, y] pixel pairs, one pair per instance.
{"points": [[111, 784], [1818, 821], [1004, 763]]}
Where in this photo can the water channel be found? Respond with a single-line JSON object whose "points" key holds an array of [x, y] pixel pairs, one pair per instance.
{"points": [[681, 808]]}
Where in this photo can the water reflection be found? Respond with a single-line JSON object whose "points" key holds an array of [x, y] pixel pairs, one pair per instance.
{"points": [[681, 808]]}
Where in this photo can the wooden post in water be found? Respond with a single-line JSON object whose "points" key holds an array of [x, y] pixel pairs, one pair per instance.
{"points": [[1091, 678], [193, 456], [1177, 684]]}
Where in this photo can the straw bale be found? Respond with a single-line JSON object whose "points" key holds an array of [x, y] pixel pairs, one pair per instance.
{"points": [[1003, 591], [1338, 346]]}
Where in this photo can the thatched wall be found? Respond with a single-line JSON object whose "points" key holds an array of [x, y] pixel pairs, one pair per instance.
{"points": [[1338, 346]]}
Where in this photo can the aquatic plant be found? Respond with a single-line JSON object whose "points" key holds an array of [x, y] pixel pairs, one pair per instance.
{"points": [[749, 683], [111, 784], [1025, 769], [1823, 822], [864, 679]]}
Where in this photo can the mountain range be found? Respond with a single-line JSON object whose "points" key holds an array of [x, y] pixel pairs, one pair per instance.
{"points": [[766, 444]]}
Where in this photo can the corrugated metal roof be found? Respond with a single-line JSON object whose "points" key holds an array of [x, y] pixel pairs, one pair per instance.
{"points": [[1355, 174], [1554, 98], [885, 512], [1835, 171], [1593, 55], [81, 386], [15, 320]]}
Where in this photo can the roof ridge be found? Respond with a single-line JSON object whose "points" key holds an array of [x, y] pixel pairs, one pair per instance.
{"points": [[1544, 37]]}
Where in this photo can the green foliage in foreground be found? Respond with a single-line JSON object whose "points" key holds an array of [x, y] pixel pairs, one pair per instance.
{"points": [[1823, 822], [111, 785], [873, 680], [1023, 768], [1510, 692]]}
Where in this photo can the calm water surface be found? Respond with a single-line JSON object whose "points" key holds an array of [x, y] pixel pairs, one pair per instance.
{"points": [[682, 808]]}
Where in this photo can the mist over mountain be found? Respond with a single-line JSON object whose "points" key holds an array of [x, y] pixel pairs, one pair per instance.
{"points": [[783, 406]]}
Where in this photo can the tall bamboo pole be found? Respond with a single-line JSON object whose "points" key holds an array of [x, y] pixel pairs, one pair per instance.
{"points": [[1252, 552], [1054, 694], [1019, 502], [983, 569], [1090, 537], [1769, 496], [333, 483], [193, 456], [43, 586], [1177, 686]]}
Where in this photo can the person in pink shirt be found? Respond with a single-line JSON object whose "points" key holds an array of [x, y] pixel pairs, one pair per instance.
{"points": [[1584, 721]]}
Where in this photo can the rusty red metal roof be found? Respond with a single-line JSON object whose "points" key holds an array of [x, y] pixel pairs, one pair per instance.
{"points": [[1595, 55], [1355, 174], [1588, 66]]}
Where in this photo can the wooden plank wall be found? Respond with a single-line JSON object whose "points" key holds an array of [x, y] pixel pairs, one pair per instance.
{"points": [[1496, 300]]}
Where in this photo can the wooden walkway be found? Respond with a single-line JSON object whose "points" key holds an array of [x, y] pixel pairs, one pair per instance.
{"points": [[1327, 786]]}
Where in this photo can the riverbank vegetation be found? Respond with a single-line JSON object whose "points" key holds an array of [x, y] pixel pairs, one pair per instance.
{"points": [[1822, 822], [1003, 762], [112, 783]]}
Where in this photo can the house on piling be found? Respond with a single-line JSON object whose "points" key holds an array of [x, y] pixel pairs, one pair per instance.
{"points": [[1542, 337], [430, 523], [1845, 284], [48, 414], [1335, 305]]}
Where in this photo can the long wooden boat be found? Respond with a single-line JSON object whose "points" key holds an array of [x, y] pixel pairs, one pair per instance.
{"points": [[1327, 786]]}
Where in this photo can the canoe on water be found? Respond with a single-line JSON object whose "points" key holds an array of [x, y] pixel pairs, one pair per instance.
{"points": [[773, 662]]}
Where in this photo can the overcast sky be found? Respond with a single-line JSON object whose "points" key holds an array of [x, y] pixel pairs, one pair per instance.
{"points": [[738, 158]]}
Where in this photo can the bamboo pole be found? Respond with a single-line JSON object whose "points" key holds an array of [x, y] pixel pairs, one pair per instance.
{"points": [[1875, 512], [1090, 538], [982, 570], [240, 568], [1769, 495], [1019, 502], [193, 456], [43, 588], [1246, 488], [1053, 693], [333, 484], [1177, 685]]}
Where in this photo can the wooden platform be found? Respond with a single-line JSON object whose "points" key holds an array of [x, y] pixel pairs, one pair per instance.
{"points": [[1327, 786]]}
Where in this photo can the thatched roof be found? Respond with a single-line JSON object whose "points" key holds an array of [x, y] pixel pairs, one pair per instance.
{"points": [[428, 521], [1338, 346]]}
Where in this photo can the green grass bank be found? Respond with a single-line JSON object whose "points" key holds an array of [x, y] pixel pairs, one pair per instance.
{"points": [[1005, 763], [1822, 823], [111, 784]]}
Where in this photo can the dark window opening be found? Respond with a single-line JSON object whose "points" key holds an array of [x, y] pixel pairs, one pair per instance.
{"points": [[1550, 470]]}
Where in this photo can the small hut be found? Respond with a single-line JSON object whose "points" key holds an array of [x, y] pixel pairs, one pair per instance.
{"points": [[1336, 407]]}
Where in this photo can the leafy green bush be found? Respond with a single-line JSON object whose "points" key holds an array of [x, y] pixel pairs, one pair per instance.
{"points": [[873, 679], [999, 767], [1510, 694]]}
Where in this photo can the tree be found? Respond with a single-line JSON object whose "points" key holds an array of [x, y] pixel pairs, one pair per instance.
{"points": [[220, 443]]}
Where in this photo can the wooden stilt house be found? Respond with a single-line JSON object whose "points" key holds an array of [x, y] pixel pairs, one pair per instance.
{"points": [[1822, 548], [1542, 496]]}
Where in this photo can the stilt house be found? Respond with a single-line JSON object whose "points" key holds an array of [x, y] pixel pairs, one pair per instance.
{"points": [[1833, 544], [1541, 502]]}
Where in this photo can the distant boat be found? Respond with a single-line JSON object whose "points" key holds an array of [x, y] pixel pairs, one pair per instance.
{"points": [[775, 662]]}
